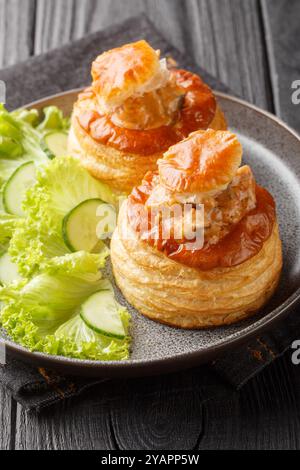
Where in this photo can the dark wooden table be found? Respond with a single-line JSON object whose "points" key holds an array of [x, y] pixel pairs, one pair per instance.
{"points": [[254, 47]]}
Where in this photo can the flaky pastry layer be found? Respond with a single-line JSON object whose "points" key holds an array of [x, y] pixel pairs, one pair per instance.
{"points": [[184, 297], [122, 171]]}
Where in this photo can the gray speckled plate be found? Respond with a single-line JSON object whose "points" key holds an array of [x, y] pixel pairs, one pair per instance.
{"points": [[273, 150]]}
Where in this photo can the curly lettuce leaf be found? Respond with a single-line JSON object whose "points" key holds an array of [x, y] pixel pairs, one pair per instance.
{"points": [[19, 143], [53, 120], [43, 314], [60, 186], [72, 339], [80, 263], [53, 296], [40, 309], [79, 341], [31, 116], [8, 224], [10, 135], [35, 242], [21, 136]]}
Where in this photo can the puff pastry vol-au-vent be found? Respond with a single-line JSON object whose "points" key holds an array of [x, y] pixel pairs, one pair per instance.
{"points": [[174, 279], [137, 107]]}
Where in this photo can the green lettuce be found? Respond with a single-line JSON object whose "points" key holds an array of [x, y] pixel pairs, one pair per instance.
{"points": [[31, 116], [60, 186], [19, 142], [53, 120], [43, 314], [79, 341], [21, 136], [40, 308], [8, 224], [63, 285]]}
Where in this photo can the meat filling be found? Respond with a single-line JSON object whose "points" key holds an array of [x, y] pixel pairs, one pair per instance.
{"points": [[220, 210]]}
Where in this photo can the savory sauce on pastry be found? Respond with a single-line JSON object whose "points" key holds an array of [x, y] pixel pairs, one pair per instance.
{"points": [[196, 110], [239, 215], [137, 106]]}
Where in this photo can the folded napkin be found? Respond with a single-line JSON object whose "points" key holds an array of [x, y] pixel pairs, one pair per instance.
{"points": [[67, 68]]}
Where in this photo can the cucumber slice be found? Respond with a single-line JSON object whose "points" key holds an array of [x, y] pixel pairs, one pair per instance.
{"points": [[80, 225], [100, 313], [107, 221], [57, 142], [8, 270], [15, 188]]}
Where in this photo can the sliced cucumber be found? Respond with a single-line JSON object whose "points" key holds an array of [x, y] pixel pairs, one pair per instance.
{"points": [[8, 270], [15, 188], [57, 142], [107, 221], [100, 313], [80, 225]]}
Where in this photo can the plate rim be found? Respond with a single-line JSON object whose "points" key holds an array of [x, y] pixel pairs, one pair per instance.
{"points": [[183, 359]]}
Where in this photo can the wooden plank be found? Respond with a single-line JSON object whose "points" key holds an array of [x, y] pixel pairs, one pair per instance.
{"points": [[59, 22], [79, 424], [160, 413], [132, 414], [148, 414], [281, 21], [16, 30], [264, 416], [7, 425], [223, 36]]}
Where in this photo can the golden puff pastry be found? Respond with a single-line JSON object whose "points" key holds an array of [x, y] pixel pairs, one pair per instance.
{"points": [[236, 270], [136, 108]]}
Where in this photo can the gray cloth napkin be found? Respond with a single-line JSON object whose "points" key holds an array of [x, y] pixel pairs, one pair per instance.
{"points": [[66, 68]]}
